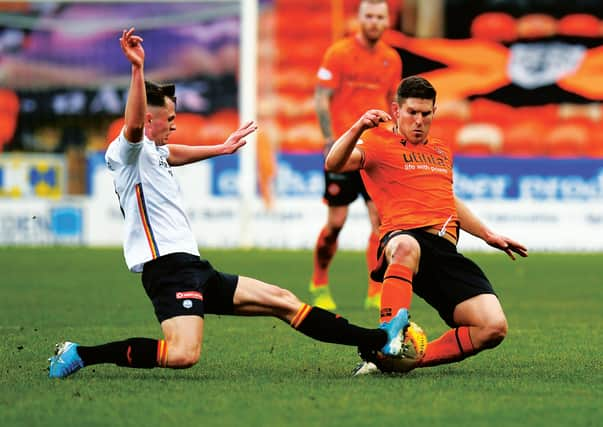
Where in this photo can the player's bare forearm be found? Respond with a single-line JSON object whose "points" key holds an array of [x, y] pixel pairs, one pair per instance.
{"points": [[343, 157], [185, 154], [322, 99], [470, 223]]}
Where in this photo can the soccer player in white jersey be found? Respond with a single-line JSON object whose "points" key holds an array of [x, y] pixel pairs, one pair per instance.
{"points": [[160, 244]]}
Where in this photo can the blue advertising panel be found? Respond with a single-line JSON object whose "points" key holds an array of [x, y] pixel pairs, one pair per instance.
{"points": [[578, 179], [298, 175], [476, 178]]}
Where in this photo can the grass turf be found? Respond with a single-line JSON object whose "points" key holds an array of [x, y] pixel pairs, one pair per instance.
{"points": [[258, 372]]}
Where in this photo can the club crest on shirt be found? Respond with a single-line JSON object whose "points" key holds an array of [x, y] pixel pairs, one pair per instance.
{"points": [[164, 164]]}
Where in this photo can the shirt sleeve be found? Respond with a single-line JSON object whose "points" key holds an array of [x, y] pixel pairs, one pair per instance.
{"points": [[329, 72], [122, 152], [365, 147]]}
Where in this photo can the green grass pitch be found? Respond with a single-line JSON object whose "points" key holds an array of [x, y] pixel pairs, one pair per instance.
{"points": [[259, 372]]}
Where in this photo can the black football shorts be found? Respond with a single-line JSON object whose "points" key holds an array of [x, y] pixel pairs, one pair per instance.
{"points": [[446, 278], [182, 284], [341, 189]]}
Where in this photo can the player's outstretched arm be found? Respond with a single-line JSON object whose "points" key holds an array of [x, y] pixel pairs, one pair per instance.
{"points": [[343, 157], [185, 154], [134, 116], [473, 225]]}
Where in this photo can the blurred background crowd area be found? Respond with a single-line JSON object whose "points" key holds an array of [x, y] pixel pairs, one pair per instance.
{"points": [[514, 77]]}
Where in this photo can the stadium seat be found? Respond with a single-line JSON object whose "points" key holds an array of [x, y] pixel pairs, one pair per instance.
{"points": [[525, 138], [190, 130], [302, 137], [536, 25], [486, 111], [590, 111], [217, 127], [9, 115], [580, 24], [543, 113], [446, 128], [479, 139], [568, 139], [495, 26], [595, 144]]}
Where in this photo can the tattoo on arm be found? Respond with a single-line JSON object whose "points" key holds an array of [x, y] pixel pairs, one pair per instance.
{"points": [[323, 96]]}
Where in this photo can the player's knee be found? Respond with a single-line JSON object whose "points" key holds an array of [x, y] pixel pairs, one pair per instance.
{"points": [[285, 296], [494, 333], [403, 250]]}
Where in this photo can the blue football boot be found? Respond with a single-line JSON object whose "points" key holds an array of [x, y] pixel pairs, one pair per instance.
{"points": [[395, 329], [66, 361]]}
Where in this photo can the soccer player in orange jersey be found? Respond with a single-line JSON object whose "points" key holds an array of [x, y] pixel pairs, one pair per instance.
{"points": [[356, 73], [409, 177]]}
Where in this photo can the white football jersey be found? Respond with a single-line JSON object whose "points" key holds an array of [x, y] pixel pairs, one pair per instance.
{"points": [[150, 200]]}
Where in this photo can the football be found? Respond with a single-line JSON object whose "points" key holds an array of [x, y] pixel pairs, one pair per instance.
{"points": [[413, 350]]}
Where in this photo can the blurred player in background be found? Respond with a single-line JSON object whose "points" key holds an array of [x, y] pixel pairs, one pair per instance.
{"points": [[356, 73], [159, 243], [409, 176]]}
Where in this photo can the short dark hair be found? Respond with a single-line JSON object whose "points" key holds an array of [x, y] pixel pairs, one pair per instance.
{"points": [[415, 87], [156, 93]]}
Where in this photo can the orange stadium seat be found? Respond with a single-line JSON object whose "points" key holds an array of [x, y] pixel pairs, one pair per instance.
{"points": [[568, 139], [479, 139], [9, 115], [302, 137], [446, 128], [535, 25], [114, 129], [495, 26], [188, 130], [486, 111], [217, 127], [543, 113], [595, 145], [525, 138], [579, 24]]}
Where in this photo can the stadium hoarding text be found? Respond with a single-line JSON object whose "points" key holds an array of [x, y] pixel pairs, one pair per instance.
{"points": [[503, 178], [548, 204]]}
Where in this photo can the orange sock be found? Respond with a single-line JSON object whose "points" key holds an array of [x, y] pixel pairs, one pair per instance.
{"points": [[162, 353], [324, 251], [374, 288], [454, 346], [396, 292]]}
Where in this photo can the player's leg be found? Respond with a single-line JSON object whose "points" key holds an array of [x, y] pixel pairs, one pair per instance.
{"points": [[462, 294], [482, 325], [324, 251], [183, 335], [373, 296], [402, 253], [174, 284], [255, 298]]}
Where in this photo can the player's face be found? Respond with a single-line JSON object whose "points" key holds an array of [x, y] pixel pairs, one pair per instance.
{"points": [[373, 20], [414, 118], [162, 122]]}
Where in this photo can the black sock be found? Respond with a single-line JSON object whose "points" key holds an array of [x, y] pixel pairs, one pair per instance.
{"points": [[133, 352], [325, 326]]}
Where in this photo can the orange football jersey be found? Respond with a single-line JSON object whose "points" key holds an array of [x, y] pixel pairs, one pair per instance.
{"points": [[411, 185], [361, 79]]}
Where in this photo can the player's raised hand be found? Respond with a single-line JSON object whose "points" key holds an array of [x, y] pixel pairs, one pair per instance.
{"points": [[507, 245], [131, 45], [372, 118], [237, 139]]}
